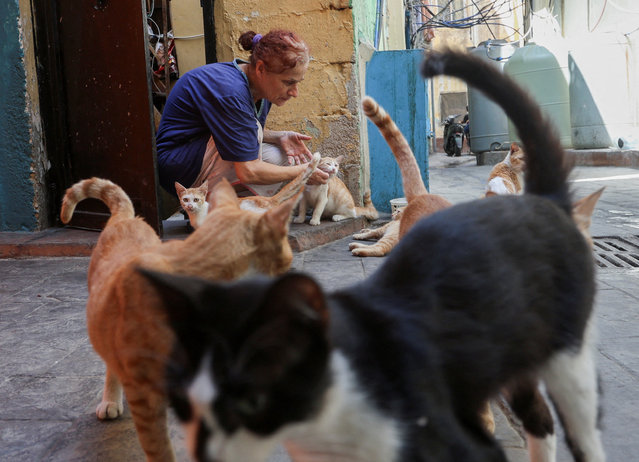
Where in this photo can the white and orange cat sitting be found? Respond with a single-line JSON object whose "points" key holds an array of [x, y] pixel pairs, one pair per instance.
{"points": [[193, 200], [333, 199], [126, 320], [507, 177]]}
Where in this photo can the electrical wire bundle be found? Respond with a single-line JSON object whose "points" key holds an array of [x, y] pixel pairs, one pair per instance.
{"points": [[425, 15]]}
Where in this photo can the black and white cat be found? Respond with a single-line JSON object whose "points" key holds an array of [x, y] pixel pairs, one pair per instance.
{"points": [[398, 366]]}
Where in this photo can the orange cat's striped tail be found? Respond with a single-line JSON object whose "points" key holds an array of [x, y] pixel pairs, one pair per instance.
{"points": [[368, 211], [97, 188], [412, 181]]}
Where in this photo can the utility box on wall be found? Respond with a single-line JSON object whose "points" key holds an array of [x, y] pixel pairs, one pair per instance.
{"points": [[394, 81]]}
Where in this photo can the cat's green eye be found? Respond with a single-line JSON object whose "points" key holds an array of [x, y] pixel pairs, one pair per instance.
{"points": [[252, 404]]}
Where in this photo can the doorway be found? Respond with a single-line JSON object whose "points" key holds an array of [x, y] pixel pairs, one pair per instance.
{"points": [[96, 101]]}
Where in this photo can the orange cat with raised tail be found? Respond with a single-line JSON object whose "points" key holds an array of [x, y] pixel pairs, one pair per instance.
{"points": [[420, 202], [126, 319]]}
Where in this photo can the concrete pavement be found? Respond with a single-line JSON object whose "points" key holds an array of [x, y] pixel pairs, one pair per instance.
{"points": [[51, 378]]}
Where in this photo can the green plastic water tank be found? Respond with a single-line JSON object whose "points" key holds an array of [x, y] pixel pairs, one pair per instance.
{"points": [[544, 73], [488, 122], [600, 96]]}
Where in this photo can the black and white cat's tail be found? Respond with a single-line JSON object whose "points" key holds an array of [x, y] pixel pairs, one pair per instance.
{"points": [[106, 191], [546, 170]]}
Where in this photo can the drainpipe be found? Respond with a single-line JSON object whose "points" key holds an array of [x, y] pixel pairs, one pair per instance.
{"points": [[433, 134], [407, 34], [208, 16], [378, 22]]}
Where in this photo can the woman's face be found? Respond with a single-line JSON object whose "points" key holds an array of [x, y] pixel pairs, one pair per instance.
{"points": [[278, 88]]}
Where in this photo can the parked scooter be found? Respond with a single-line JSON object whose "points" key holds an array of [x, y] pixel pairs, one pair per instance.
{"points": [[453, 136]]}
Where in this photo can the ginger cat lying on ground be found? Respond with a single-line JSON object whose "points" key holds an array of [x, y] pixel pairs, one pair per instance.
{"points": [[387, 237], [420, 202], [125, 319]]}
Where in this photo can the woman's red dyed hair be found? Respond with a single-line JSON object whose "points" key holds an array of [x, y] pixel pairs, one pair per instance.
{"points": [[280, 50]]}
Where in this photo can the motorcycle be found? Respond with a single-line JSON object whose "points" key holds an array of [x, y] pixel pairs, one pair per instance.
{"points": [[453, 136]]}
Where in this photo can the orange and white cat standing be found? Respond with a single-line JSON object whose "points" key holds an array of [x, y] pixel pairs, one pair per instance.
{"points": [[507, 177], [125, 319], [333, 199], [420, 202]]}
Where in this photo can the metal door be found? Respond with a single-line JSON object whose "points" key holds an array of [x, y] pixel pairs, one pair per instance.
{"points": [[101, 73], [393, 80]]}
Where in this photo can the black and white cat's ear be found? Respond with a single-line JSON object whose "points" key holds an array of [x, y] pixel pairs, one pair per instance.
{"points": [[286, 340], [299, 294], [179, 294]]}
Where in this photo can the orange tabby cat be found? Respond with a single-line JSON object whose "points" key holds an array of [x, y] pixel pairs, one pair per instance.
{"points": [[333, 199], [387, 236], [506, 177], [125, 320], [420, 202]]}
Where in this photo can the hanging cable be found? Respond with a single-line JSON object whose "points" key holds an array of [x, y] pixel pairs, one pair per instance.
{"points": [[429, 16], [603, 10]]}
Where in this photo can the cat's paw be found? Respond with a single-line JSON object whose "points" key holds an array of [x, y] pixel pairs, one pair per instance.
{"points": [[363, 235], [339, 217], [355, 245], [314, 222], [109, 410], [299, 220], [362, 251]]}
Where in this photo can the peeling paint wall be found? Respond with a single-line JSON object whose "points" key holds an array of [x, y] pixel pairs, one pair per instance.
{"points": [[22, 191], [327, 107]]}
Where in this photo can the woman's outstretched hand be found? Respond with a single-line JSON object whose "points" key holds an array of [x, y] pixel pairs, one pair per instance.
{"points": [[292, 144]]}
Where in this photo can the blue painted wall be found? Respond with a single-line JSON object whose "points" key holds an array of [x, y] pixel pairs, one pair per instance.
{"points": [[393, 80], [17, 212]]}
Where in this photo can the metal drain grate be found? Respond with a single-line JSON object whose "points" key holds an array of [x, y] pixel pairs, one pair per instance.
{"points": [[617, 252]]}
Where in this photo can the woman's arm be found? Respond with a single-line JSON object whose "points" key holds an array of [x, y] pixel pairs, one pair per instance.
{"points": [[260, 172], [292, 143]]}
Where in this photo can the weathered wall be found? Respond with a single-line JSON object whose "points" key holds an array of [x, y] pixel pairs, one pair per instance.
{"points": [[327, 106], [188, 30], [609, 29], [22, 198]]}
